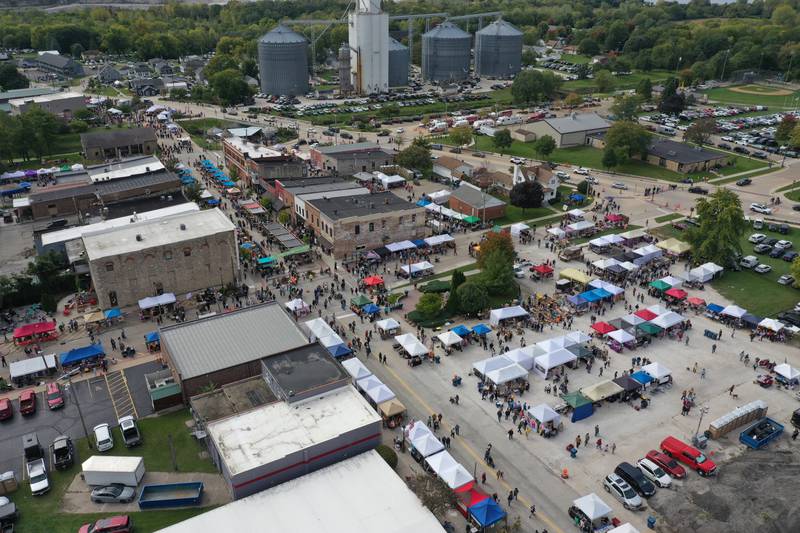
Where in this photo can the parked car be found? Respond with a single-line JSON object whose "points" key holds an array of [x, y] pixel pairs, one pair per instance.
{"points": [[654, 473], [744, 181], [103, 437], [786, 279], [636, 479], [756, 238], [790, 256], [784, 244], [346, 135], [749, 261], [776, 252], [592, 180], [698, 190], [113, 524], [762, 269], [617, 487], [131, 435], [6, 409], [762, 248], [790, 317], [582, 171], [667, 463], [54, 395], [115, 493], [27, 402], [760, 208], [63, 452], [519, 160], [619, 185], [479, 154], [689, 456]]}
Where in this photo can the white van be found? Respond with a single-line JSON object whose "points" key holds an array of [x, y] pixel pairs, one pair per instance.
{"points": [[749, 261]]}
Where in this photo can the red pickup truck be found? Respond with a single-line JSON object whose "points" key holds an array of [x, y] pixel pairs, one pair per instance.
{"points": [[689, 456], [27, 402]]}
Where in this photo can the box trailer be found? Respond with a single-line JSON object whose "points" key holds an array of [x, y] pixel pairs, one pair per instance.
{"points": [[101, 470]]}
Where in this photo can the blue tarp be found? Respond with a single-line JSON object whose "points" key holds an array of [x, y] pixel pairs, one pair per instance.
{"points": [[17, 189], [577, 300], [420, 243], [114, 312], [228, 184], [153, 336], [642, 377], [575, 197], [481, 329], [714, 308], [371, 309], [76, 355], [213, 201], [590, 296], [461, 330], [487, 512], [423, 202], [187, 180], [582, 411], [247, 245], [602, 293], [340, 350]]}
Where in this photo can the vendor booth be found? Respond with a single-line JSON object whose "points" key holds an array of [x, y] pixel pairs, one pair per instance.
{"points": [[86, 354], [581, 406], [524, 356], [556, 343], [492, 363], [619, 339], [602, 390], [496, 316], [658, 372], [152, 305], [787, 374], [591, 513], [519, 228], [574, 275], [28, 370], [420, 269], [543, 364], [392, 412], [544, 420], [356, 369], [298, 307], [32, 333], [388, 326]]}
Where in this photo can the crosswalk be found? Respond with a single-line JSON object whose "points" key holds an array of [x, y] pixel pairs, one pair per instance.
{"points": [[120, 394]]}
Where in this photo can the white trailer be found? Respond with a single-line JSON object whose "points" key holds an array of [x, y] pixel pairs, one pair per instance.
{"points": [[101, 470]]}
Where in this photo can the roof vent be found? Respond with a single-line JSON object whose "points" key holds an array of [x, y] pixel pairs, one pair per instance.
{"points": [[139, 237], [183, 227], [372, 205], [147, 169]]}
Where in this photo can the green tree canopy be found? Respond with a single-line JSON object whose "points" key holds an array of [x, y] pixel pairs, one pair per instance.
{"points": [[534, 86], [721, 225], [473, 298], [11, 78], [461, 135], [604, 81], [544, 145], [229, 86], [502, 140], [416, 157], [429, 305], [456, 280], [626, 107], [527, 194], [784, 131], [645, 89], [700, 131], [627, 139]]}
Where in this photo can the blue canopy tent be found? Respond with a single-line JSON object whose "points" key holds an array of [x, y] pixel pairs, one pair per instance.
{"points": [[205, 162], [247, 245], [461, 330], [265, 260], [187, 180], [714, 308], [340, 350], [642, 377], [487, 512], [423, 202], [77, 355], [420, 243], [481, 329], [576, 197], [371, 309], [114, 312], [153, 336], [577, 300], [212, 201], [590, 296], [16, 189], [228, 184]]}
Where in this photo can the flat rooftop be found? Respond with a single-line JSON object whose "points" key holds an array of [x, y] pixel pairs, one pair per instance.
{"points": [[253, 150], [210, 344], [44, 98], [125, 169], [232, 399], [269, 433], [304, 369], [160, 232], [359, 494], [356, 206]]}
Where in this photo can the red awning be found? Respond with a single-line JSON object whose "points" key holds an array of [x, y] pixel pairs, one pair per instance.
{"points": [[34, 329], [645, 314], [603, 328], [372, 280], [543, 269], [680, 294], [696, 301], [470, 494]]}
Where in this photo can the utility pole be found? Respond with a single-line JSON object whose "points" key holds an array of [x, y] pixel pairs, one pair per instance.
{"points": [[80, 413], [703, 411]]}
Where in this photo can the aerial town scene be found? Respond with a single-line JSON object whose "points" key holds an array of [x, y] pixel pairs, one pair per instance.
{"points": [[376, 266]]}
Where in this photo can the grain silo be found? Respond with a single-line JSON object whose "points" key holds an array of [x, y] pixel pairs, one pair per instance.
{"points": [[498, 50], [445, 53], [398, 64], [283, 62]]}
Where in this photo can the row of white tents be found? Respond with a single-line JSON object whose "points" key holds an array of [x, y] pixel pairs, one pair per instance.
{"points": [[436, 457]]}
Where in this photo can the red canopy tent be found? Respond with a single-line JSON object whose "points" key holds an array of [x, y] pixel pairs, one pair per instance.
{"points": [[543, 269], [674, 292], [371, 281], [696, 301], [468, 495], [40, 331], [644, 314], [614, 217], [603, 328]]}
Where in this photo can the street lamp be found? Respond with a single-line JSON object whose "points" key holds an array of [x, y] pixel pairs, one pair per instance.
{"points": [[703, 411]]}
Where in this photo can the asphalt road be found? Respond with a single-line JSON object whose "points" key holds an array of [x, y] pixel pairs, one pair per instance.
{"points": [[96, 406]]}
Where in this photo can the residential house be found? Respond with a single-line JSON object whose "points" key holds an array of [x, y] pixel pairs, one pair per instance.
{"points": [[147, 86], [108, 75], [57, 64], [546, 178]]}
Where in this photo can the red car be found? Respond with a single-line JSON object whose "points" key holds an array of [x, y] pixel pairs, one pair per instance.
{"points": [[6, 409], [667, 463], [54, 395], [688, 455], [27, 402], [113, 524]]}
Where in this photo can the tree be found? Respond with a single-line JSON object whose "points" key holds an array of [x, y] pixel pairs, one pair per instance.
{"points": [[433, 493], [229, 86], [415, 157], [473, 298], [502, 140], [794, 270], [492, 242], [583, 187], [193, 191], [604, 81], [582, 71], [544, 145], [626, 139], [794, 140], [588, 47], [573, 100], [626, 107], [616, 35], [527, 194], [534, 86], [700, 131], [456, 281], [496, 261], [529, 58], [785, 127], [429, 305], [645, 89], [76, 50], [784, 15], [284, 216], [609, 158], [721, 225], [461, 136], [672, 102], [11, 78]]}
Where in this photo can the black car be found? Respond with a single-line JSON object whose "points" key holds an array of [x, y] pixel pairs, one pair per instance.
{"points": [[760, 155], [741, 150], [790, 317], [796, 207], [790, 256], [777, 252], [744, 181], [770, 241], [698, 190], [635, 479], [724, 146]]}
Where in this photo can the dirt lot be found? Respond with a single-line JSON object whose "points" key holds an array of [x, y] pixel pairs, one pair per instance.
{"points": [[754, 491]]}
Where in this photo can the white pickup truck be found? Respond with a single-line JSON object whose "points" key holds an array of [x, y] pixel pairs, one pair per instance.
{"points": [[35, 465]]}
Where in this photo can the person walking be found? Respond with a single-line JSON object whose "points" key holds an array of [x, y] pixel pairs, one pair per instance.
{"points": [[613, 447], [596, 430], [714, 348], [795, 433], [510, 497], [533, 511], [730, 391], [483, 478]]}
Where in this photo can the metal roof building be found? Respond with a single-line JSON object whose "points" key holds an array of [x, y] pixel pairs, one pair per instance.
{"points": [[498, 50]]}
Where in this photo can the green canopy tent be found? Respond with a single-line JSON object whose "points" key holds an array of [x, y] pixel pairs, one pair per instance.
{"points": [[660, 285], [360, 301], [582, 407], [650, 329], [471, 220]]}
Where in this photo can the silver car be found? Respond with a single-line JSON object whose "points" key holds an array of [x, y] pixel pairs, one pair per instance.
{"points": [[115, 493], [620, 489]]}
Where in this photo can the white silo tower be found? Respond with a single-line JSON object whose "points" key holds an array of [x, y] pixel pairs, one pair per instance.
{"points": [[369, 44]]}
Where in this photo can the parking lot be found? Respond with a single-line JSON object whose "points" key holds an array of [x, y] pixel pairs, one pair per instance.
{"points": [[96, 406]]}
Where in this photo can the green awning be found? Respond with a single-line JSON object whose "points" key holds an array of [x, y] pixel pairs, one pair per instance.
{"points": [[649, 328], [296, 250], [575, 399], [360, 300], [660, 285], [471, 220], [166, 391]]}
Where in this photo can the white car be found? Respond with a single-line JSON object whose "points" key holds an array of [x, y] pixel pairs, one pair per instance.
{"points": [[756, 238], [399, 130], [783, 245], [519, 273], [519, 160], [103, 437], [592, 180], [654, 473], [620, 489], [763, 269], [727, 139], [749, 261], [761, 208], [582, 171], [786, 279], [619, 185]]}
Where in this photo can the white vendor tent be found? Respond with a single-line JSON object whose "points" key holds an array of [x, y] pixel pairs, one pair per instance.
{"points": [[369, 382], [543, 364], [624, 528], [387, 324], [658, 309], [356, 368], [603, 264], [296, 305], [448, 338], [329, 341], [771, 324], [556, 343], [518, 228], [505, 313], [630, 267], [544, 413], [599, 242], [787, 371], [411, 344], [492, 363], [440, 197], [154, 301], [416, 430], [657, 371], [701, 273], [673, 281], [735, 311], [441, 462], [557, 232], [621, 336], [506, 374], [577, 337], [400, 246], [592, 506], [576, 213], [606, 286], [427, 445], [521, 357], [26, 367], [634, 320], [380, 394], [439, 239], [456, 476], [318, 328], [583, 225], [417, 267], [667, 320]]}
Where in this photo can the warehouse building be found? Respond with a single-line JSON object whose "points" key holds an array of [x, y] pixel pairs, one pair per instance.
{"points": [[682, 157], [348, 159], [15, 94], [60, 104], [57, 64], [222, 349], [119, 143], [572, 130], [348, 225], [177, 254], [256, 164]]}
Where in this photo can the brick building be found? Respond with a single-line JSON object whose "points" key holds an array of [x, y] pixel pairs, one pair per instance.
{"points": [[348, 159], [682, 157], [348, 225], [256, 164], [294, 194], [119, 143], [178, 254], [471, 201]]}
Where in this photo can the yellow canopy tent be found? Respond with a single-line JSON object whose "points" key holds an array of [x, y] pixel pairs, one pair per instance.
{"points": [[674, 246], [575, 275], [392, 407], [96, 316], [602, 390]]}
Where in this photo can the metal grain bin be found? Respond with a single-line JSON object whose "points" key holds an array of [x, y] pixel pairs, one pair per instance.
{"points": [[446, 53], [398, 64], [498, 50], [283, 62]]}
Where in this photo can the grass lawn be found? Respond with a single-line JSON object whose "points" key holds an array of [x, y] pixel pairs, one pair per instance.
{"points": [[667, 218], [754, 174], [793, 195], [575, 59], [196, 128], [620, 82], [109, 91], [793, 185], [666, 231], [517, 214], [43, 513], [727, 96]]}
